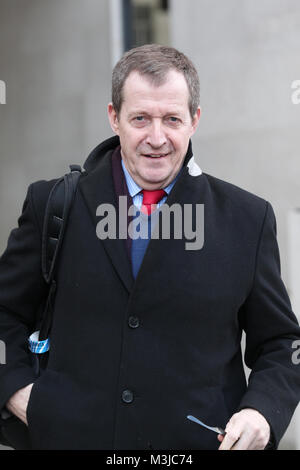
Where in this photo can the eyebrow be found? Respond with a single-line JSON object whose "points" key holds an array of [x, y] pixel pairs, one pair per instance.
{"points": [[136, 113], [140, 112]]}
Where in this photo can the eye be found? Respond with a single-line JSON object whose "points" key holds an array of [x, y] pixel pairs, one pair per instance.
{"points": [[173, 120], [139, 121]]}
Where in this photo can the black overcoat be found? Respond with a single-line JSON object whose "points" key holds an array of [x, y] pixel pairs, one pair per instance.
{"points": [[130, 359]]}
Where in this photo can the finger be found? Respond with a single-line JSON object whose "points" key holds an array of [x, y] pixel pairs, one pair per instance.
{"points": [[245, 442], [259, 441], [229, 440], [220, 437]]}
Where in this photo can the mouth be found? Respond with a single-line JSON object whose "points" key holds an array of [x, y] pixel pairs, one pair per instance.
{"points": [[156, 156]]}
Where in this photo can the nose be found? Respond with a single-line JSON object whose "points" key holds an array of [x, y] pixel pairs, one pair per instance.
{"points": [[156, 137]]}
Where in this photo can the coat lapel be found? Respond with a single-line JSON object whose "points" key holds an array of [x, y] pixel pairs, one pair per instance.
{"points": [[97, 187]]}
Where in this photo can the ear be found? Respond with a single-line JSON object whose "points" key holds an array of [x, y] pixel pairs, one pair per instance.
{"points": [[195, 120], [113, 118]]}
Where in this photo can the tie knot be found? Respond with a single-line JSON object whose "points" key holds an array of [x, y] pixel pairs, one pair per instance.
{"points": [[151, 198]]}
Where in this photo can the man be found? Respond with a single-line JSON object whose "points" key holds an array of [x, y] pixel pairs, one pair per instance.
{"points": [[146, 332]]}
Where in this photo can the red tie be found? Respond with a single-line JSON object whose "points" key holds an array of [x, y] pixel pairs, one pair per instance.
{"points": [[150, 199]]}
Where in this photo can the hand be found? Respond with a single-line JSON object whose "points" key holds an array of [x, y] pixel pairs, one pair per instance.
{"points": [[246, 430], [17, 404]]}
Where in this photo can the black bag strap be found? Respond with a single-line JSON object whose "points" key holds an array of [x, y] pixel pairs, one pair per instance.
{"points": [[55, 221]]}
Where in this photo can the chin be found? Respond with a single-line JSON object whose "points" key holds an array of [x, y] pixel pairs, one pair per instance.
{"points": [[154, 178]]}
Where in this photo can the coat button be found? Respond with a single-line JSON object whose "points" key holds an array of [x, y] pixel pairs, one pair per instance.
{"points": [[127, 396], [133, 322]]}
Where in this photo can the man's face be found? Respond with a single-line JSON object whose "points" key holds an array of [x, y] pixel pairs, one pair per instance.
{"points": [[154, 126]]}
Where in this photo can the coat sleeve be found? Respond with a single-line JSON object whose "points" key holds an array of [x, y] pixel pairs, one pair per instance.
{"points": [[271, 331], [22, 290]]}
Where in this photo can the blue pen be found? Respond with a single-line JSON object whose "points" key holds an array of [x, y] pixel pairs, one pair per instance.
{"points": [[211, 428]]}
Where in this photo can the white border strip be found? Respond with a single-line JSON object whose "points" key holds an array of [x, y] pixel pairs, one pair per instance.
{"points": [[116, 30]]}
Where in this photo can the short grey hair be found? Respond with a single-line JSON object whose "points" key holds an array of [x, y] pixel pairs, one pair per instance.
{"points": [[154, 62]]}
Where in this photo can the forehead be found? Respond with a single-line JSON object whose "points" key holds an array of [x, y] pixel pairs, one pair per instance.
{"points": [[140, 93]]}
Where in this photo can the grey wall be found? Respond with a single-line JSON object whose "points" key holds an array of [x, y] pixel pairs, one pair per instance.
{"points": [[247, 54], [55, 59]]}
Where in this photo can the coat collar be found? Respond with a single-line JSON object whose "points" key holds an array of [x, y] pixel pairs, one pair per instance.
{"points": [[97, 187]]}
